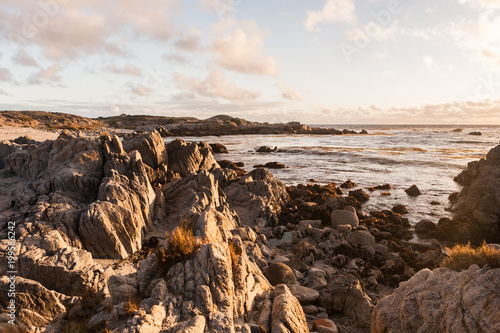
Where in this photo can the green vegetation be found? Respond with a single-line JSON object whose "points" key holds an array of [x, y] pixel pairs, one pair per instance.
{"points": [[463, 256]]}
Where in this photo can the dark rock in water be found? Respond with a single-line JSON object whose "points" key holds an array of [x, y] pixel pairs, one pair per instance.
{"points": [[266, 149], [400, 209], [218, 148], [425, 228], [383, 187], [359, 195], [225, 164], [348, 184], [457, 130], [413, 191], [453, 197], [435, 203], [475, 133], [279, 273], [363, 132], [271, 165]]}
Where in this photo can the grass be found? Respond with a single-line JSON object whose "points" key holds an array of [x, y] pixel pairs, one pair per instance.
{"points": [[463, 256], [132, 306], [181, 242]]}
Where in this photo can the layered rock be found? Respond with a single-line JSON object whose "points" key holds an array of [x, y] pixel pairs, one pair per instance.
{"points": [[185, 158], [442, 301]]}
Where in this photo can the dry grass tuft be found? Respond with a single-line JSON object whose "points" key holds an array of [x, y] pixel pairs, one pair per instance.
{"points": [[132, 306], [181, 242], [463, 256]]}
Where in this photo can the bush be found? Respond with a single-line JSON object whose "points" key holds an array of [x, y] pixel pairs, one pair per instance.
{"points": [[463, 256]]}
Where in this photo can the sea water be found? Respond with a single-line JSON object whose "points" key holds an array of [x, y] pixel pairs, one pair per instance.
{"points": [[426, 156]]}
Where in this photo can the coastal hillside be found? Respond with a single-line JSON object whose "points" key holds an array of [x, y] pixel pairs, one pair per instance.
{"points": [[137, 235], [48, 120]]}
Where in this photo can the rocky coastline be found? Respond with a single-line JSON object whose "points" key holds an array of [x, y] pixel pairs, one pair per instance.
{"points": [[96, 220]]}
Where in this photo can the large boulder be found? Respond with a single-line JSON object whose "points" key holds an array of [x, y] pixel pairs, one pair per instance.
{"points": [[257, 198], [287, 316], [477, 208], [442, 300], [150, 145]]}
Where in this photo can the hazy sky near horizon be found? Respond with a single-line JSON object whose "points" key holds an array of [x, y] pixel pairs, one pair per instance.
{"points": [[319, 61]]}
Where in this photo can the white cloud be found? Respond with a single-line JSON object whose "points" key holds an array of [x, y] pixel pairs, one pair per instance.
{"points": [[190, 40], [127, 69], [176, 58], [141, 90], [22, 58], [4, 93], [46, 75], [243, 51], [215, 86], [6, 75], [333, 11], [78, 27], [482, 4], [288, 92]]}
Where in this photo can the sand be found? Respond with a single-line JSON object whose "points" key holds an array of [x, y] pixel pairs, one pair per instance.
{"points": [[11, 133]]}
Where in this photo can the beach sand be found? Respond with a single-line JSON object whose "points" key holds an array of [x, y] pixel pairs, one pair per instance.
{"points": [[11, 133]]}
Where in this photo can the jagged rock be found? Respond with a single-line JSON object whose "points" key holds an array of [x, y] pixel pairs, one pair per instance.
{"points": [[218, 148], [413, 191], [348, 184], [442, 301], [344, 294], [150, 145], [287, 314], [37, 306], [340, 217], [257, 198], [185, 158], [303, 294]]}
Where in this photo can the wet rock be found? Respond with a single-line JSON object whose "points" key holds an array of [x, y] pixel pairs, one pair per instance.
{"points": [[218, 148], [360, 195], [400, 209], [475, 133], [468, 302], [413, 191], [348, 184], [425, 228], [266, 149], [340, 217], [271, 165], [383, 187], [279, 273]]}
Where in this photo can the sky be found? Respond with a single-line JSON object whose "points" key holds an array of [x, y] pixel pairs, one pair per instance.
{"points": [[316, 61]]}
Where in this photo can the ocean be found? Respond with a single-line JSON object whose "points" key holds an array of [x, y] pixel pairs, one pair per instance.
{"points": [[427, 156]]}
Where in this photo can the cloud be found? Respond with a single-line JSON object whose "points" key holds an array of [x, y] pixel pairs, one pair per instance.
{"points": [[183, 96], [6, 75], [243, 51], [47, 75], [176, 58], [190, 40], [141, 90], [22, 58], [333, 11], [4, 93], [482, 4], [431, 65], [288, 92], [78, 27], [127, 69], [216, 86]]}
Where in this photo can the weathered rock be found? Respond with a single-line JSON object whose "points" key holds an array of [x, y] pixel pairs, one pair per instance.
{"points": [[425, 228], [184, 158], [442, 301], [150, 145], [37, 305], [218, 148], [413, 191], [359, 195], [266, 149], [324, 326], [271, 165], [287, 314], [303, 294], [348, 184], [279, 273], [340, 217], [361, 237], [400, 209], [257, 198], [344, 294]]}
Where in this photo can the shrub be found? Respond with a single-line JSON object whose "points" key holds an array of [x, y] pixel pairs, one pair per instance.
{"points": [[463, 256]]}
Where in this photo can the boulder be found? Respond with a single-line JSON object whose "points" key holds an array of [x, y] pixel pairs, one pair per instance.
{"points": [[442, 301], [279, 273], [324, 326], [303, 294], [150, 145], [218, 148], [340, 217]]}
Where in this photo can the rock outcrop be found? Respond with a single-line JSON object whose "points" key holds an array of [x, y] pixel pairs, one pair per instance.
{"points": [[185, 158], [442, 301]]}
